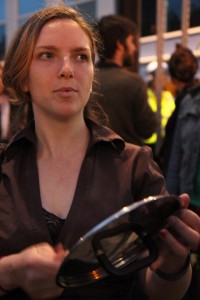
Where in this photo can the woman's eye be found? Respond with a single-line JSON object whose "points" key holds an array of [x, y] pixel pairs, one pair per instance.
{"points": [[46, 55], [82, 57]]}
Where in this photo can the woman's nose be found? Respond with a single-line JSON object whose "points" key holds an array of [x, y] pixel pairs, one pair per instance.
{"points": [[66, 68]]}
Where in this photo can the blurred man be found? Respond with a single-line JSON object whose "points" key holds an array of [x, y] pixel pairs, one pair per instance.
{"points": [[123, 94]]}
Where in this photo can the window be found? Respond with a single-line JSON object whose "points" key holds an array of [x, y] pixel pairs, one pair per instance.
{"points": [[28, 7], [148, 18], [86, 7], [2, 41], [174, 14], [174, 10], [2, 10], [195, 13]]}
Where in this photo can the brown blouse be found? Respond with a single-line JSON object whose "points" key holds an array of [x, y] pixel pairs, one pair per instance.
{"points": [[113, 174]]}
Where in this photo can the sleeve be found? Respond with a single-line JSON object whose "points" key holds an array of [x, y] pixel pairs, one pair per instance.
{"points": [[148, 179]]}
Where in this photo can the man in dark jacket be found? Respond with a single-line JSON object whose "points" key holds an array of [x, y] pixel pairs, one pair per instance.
{"points": [[122, 93]]}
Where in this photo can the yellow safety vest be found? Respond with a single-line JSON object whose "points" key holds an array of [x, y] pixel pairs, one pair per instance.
{"points": [[167, 107]]}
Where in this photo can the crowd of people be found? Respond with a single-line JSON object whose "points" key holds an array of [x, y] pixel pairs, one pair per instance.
{"points": [[63, 171]]}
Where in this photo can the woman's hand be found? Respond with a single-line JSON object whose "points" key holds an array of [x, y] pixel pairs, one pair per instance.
{"points": [[181, 235], [171, 273], [34, 270]]}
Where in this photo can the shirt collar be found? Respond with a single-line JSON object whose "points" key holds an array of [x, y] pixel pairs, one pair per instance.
{"points": [[98, 133], [27, 133], [101, 134]]}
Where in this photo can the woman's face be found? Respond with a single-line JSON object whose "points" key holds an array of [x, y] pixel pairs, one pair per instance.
{"points": [[61, 73]]}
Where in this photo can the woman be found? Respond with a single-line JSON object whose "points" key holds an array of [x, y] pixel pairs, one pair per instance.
{"points": [[61, 171]]}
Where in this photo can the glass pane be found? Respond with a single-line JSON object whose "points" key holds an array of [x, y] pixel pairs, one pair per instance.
{"points": [[195, 13], [2, 9], [27, 6], [88, 9], [174, 11], [148, 17], [2, 41], [68, 2]]}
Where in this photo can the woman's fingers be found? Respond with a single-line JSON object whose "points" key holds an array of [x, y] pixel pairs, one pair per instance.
{"points": [[180, 236], [185, 227], [184, 200], [176, 246], [190, 218], [170, 250]]}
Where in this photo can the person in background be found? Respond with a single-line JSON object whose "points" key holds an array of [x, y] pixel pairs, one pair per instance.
{"points": [[183, 173], [183, 67], [167, 99], [64, 173], [122, 93]]}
